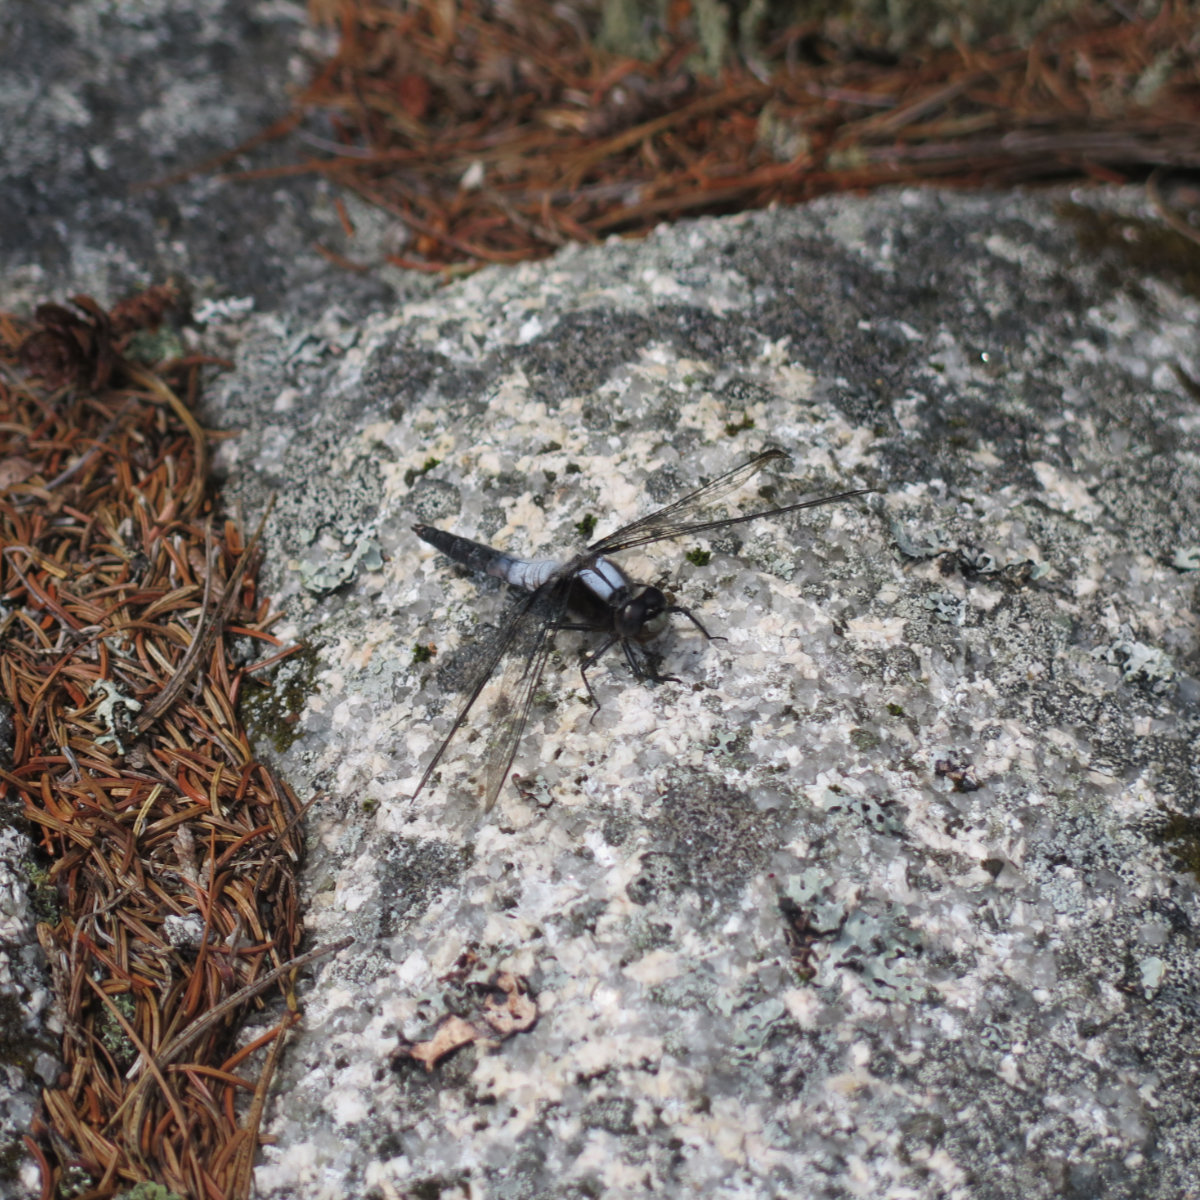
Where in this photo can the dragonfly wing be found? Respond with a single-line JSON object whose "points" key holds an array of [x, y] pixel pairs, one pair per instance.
{"points": [[527, 652], [685, 509], [681, 517], [685, 527], [510, 632]]}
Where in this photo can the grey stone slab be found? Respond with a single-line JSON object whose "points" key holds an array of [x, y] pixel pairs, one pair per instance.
{"points": [[101, 100], [952, 732]]}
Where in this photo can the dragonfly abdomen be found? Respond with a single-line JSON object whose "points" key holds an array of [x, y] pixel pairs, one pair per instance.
{"points": [[520, 572]]}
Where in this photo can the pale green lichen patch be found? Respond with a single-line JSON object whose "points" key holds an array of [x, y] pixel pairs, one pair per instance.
{"points": [[115, 712], [329, 574]]}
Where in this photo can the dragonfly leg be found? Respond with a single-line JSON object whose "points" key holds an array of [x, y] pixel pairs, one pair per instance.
{"points": [[587, 660], [691, 616], [640, 672]]}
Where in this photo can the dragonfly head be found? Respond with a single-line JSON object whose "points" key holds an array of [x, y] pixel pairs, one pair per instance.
{"points": [[643, 615]]}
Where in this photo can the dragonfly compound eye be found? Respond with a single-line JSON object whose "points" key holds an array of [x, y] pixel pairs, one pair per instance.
{"points": [[641, 616]]}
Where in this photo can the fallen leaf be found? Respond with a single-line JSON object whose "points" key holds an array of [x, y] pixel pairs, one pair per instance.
{"points": [[506, 1008], [452, 1033], [516, 1012]]}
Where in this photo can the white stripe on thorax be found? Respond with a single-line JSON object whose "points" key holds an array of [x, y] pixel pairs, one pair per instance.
{"points": [[603, 578]]}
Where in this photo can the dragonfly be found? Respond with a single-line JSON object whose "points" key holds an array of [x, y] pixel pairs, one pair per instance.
{"points": [[589, 593]]}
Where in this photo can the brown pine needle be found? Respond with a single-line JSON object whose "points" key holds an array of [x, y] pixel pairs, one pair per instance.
{"points": [[495, 132], [171, 852]]}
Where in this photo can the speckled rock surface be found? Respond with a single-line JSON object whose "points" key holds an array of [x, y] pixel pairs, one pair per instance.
{"points": [[102, 99], [885, 897], [29, 1058], [894, 893]]}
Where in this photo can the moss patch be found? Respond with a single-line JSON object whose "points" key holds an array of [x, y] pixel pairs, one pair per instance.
{"points": [[271, 712]]}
